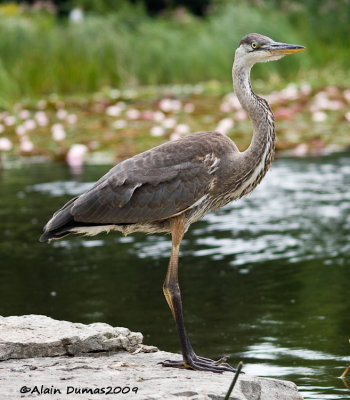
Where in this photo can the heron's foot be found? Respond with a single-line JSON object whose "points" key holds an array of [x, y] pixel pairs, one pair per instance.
{"points": [[200, 364]]}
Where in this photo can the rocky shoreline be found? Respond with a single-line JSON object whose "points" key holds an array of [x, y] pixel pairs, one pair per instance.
{"points": [[50, 359]]}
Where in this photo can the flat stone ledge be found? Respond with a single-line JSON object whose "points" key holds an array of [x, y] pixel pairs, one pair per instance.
{"points": [[40, 336], [137, 375]]}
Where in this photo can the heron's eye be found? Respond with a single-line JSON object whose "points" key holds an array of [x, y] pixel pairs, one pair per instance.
{"points": [[254, 45]]}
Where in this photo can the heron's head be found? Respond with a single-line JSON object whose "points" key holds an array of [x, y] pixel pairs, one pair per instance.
{"points": [[255, 48]]}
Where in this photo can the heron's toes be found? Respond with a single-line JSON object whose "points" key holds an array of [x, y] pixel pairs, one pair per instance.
{"points": [[221, 362], [173, 364], [200, 364]]}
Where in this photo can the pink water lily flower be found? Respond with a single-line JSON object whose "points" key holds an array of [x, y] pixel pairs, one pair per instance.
{"points": [[5, 144]]}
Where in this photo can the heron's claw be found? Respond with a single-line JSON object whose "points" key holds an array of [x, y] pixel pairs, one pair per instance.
{"points": [[200, 364]]}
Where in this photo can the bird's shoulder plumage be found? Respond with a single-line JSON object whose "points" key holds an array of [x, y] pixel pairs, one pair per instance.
{"points": [[153, 185]]}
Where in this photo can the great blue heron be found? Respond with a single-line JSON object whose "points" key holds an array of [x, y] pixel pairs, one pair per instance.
{"points": [[167, 188]]}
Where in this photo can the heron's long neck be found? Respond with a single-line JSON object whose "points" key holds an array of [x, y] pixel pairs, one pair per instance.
{"points": [[260, 153]]}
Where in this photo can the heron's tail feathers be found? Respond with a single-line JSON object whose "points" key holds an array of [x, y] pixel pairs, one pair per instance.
{"points": [[60, 223], [48, 236]]}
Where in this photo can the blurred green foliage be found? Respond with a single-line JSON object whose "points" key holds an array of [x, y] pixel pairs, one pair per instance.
{"points": [[41, 54]]}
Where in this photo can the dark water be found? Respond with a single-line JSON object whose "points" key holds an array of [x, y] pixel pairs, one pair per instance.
{"points": [[266, 280]]}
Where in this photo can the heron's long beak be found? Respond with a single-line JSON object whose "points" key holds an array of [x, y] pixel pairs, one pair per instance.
{"points": [[277, 48]]}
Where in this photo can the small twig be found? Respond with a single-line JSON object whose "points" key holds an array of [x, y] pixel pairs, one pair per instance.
{"points": [[345, 383], [239, 367], [345, 372]]}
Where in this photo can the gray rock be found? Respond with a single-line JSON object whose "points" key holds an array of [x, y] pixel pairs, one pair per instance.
{"points": [[40, 336], [136, 375]]}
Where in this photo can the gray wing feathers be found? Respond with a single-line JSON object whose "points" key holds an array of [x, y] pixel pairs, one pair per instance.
{"points": [[153, 185], [61, 217], [141, 197]]}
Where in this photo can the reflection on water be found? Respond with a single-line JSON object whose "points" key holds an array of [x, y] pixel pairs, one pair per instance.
{"points": [[265, 280]]}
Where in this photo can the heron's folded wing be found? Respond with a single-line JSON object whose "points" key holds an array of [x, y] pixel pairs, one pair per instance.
{"points": [[143, 195]]}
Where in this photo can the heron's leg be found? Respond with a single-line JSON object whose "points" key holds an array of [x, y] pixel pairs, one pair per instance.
{"points": [[172, 294], [171, 286]]}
